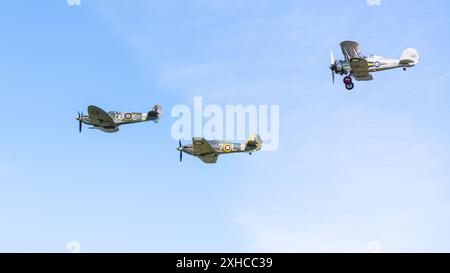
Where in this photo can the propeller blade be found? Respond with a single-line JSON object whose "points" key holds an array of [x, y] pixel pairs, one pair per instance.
{"points": [[181, 151], [80, 119], [332, 65], [332, 57]]}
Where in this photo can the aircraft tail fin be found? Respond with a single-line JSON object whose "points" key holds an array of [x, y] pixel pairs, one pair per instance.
{"points": [[254, 143], [410, 57], [155, 113]]}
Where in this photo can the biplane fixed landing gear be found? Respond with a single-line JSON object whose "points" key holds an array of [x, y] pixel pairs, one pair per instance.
{"points": [[348, 83]]}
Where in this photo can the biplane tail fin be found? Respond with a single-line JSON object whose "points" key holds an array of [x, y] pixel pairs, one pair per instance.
{"points": [[254, 143], [410, 57], [155, 113]]}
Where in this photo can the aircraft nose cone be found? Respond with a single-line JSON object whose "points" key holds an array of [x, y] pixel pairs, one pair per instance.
{"points": [[180, 149]]}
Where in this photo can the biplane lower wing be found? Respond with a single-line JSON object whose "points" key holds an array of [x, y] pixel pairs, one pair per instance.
{"points": [[360, 69]]}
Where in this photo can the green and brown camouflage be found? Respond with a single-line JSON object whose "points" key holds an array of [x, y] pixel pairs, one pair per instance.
{"points": [[109, 122], [209, 151]]}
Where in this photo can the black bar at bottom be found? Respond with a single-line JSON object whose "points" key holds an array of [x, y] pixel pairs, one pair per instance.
{"points": [[224, 262]]}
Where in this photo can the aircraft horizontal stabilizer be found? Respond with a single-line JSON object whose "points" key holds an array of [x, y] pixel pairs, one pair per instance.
{"points": [[410, 57], [254, 143], [155, 113]]}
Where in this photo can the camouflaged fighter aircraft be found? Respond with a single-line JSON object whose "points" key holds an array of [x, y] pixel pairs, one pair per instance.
{"points": [[110, 122], [209, 151], [359, 67]]}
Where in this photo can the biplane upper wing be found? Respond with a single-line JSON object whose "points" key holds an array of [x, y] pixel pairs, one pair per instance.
{"points": [[99, 117], [202, 147], [351, 50], [209, 158], [358, 64]]}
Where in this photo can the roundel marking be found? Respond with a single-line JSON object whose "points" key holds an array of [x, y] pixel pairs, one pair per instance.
{"points": [[227, 148], [94, 112], [377, 64], [127, 116]]}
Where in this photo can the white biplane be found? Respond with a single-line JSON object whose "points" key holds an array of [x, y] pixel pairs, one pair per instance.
{"points": [[360, 67]]}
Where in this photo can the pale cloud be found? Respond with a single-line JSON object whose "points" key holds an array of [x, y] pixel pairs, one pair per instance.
{"points": [[374, 2], [234, 60], [73, 2], [374, 247], [345, 181], [73, 247]]}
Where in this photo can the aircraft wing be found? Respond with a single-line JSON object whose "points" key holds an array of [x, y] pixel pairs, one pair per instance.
{"points": [[360, 69], [406, 62], [209, 158], [99, 117], [202, 147], [358, 65], [351, 50]]}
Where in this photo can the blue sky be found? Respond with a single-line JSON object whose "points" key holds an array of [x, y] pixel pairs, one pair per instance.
{"points": [[352, 167]]}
